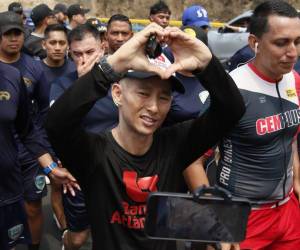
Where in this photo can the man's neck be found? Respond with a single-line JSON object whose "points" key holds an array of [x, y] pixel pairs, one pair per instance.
{"points": [[132, 142], [110, 51], [53, 64], [73, 24], [273, 77], [9, 58], [39, 31]]}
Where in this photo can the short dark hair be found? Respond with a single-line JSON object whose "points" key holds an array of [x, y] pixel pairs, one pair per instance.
{"points": [[259, 21], [160, 7], [78, 33], [55, 27], [120, 18]]}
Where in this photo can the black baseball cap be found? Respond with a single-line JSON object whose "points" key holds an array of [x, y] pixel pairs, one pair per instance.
{"points": [[163, 62], [76, 9], [16, 7], [60, 7], [97, 24], [10, 20], [40, 12]]}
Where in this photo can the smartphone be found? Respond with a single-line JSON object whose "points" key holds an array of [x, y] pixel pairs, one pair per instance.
{"points": [[153, 48], [174, 216]]}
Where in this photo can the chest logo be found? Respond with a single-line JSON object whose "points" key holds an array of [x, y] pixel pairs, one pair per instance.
{"points": [[27, 82], [262, 99], [203, 96], [4, 96], [291, 93], [138, 189]]}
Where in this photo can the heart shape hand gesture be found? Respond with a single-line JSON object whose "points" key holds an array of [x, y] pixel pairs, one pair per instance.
{"points": [[190, 53]]}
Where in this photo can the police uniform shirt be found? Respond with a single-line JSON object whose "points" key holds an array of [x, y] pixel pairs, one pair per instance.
{"points": [[15, 118]]}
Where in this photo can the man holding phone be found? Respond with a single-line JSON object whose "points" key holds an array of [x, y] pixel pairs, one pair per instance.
{"points": [[117, 169]]}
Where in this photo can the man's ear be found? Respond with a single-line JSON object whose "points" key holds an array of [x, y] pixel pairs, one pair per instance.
{"points": [[253, 43], [44, 44], [116, 93]]}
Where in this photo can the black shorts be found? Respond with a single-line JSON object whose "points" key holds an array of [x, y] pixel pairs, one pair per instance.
{"points": [[75, 212], [13, 226], [33, 178]]}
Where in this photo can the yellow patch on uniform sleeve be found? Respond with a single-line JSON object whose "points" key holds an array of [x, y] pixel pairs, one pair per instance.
{"points": [[291, 92], [4, 96], [190, 32]]}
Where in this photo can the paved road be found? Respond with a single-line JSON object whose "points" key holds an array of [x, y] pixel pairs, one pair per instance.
{"points": [[51, 236]]}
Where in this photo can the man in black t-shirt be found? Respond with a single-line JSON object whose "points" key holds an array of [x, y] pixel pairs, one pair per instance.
{"points": [[117, 169]]}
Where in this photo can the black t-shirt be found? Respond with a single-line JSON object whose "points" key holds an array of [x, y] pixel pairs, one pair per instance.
{"points": [[115, 183], [123, 182]]}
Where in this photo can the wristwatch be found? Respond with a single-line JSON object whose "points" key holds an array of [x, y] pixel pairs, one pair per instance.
{"points": [[49, 168], [110, 74]]}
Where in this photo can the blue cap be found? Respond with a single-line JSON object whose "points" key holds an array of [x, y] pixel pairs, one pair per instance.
{"points": [[195, 15]]}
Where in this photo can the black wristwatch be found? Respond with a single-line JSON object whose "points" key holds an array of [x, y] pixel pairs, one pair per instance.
{"points": [[110, 74]]}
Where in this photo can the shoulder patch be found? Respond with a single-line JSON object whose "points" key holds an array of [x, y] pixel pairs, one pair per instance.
{"points": [[291, 93], [27, 82], [4, 95]]}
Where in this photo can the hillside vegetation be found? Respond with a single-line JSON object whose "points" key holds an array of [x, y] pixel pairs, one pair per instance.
{"points": [[218, 10]]}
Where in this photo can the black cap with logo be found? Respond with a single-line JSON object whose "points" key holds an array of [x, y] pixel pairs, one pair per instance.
{"points": [[40, 12], [76, 9], [10, 20], [97, 24]]}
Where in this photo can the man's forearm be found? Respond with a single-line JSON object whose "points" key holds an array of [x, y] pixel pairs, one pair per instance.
{"points": [[195, 175], [296, 165], [45, 160]]}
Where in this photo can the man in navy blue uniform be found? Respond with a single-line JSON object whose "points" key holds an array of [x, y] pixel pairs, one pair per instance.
{"points": [[14, 115], [55, 65], [86, 46], [76, 14], [119, 31], [42, 16], [11, 42], [195, 101], [55, 43]]}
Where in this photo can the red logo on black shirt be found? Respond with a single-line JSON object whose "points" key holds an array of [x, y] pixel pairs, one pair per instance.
{"points": [[133, 215], [138, 189]]}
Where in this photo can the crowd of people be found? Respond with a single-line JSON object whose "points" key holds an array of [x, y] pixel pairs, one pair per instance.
{"points": [[83, 105]]}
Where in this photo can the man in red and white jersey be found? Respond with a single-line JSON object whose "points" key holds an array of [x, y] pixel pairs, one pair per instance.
{"points": [[259, 155]]}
